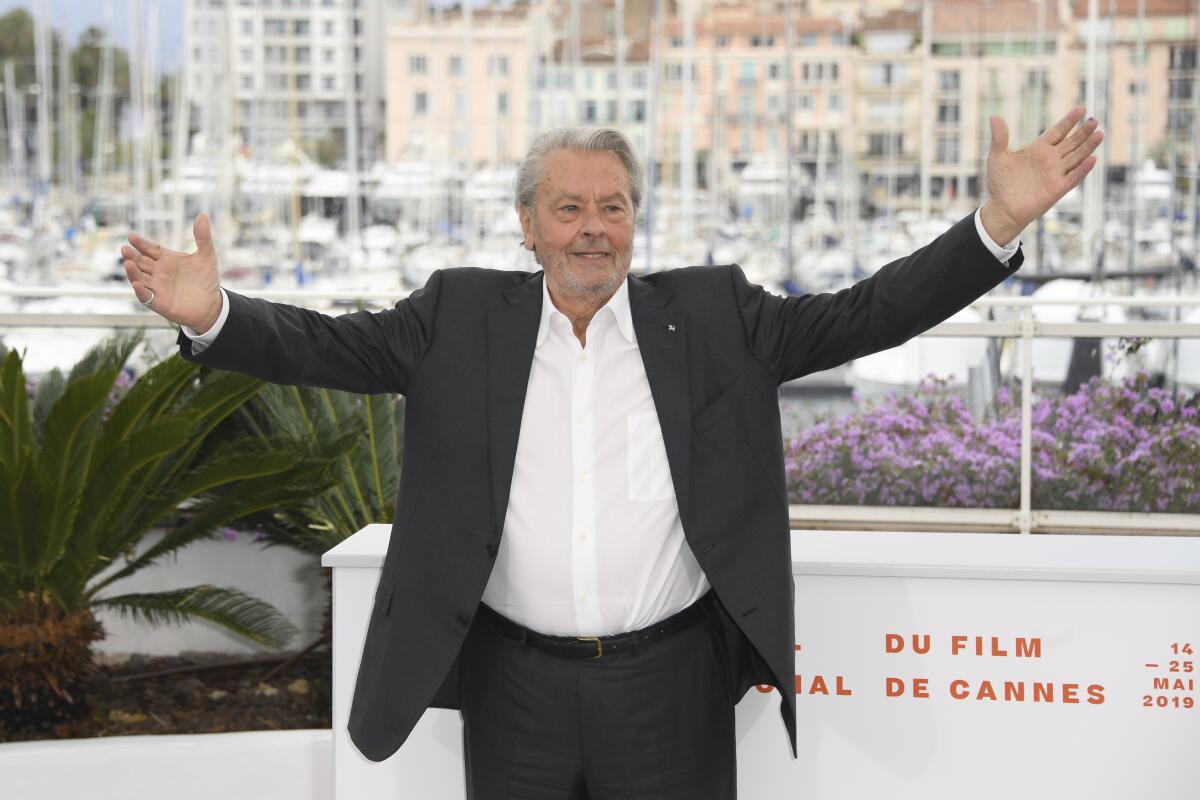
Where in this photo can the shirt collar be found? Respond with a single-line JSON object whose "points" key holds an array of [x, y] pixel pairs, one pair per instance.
{"points": [[618, 304]]}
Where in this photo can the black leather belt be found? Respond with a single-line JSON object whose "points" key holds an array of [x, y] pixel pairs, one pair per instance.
{"points": [[594, 647]]}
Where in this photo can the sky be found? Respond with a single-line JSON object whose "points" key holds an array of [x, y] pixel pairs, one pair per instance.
{"points": [[73, 16]]}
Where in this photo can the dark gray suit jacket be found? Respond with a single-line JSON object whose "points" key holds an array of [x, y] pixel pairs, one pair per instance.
{"points": [[715, 349]]}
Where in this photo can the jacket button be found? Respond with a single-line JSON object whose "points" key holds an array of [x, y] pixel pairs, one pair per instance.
{"points": [[490, 550], [464, 620]]}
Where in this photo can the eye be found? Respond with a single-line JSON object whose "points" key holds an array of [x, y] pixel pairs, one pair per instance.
{"points": [[615, 209], [570, 208]]}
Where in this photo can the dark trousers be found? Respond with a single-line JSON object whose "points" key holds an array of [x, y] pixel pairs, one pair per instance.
{"points": [[652, 724]]}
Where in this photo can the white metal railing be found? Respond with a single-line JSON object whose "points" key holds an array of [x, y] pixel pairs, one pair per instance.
{"points": [[1025, 328]]}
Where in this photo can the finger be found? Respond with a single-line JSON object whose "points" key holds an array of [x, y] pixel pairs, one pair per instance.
{"points": [[1077, 174], [143, 263], [1079, 135], [1084, 150], [1059, 130], [146, 247], [202, 230], [999, 135], [140, 290]]}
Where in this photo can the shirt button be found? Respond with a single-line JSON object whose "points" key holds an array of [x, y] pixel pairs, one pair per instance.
{"points": [[583, 475], [583, 536], [464, 620], [583, 356], [583, 598], [490, 550]]}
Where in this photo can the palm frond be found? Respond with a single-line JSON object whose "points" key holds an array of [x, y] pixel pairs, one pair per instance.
{"points": [[110, 354], [234, 610]]}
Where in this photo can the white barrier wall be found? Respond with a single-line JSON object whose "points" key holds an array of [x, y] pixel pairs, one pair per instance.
{"points": [[928, 666]]}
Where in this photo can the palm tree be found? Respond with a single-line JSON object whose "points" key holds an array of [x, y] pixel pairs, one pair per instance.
{"points": [[366, 476], [86, 472]]}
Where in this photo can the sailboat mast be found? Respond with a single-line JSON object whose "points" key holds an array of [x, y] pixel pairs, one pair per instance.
{"points": [[41, 38], [1135, 155], [1089, 187], [353, 223], [926, 102], [16, 123], [136, 116], [104, 112], [687, 141], [789, 111]]}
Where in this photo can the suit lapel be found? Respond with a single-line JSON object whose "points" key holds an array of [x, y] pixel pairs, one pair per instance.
{"points": [[512, 334], [661, 329]]}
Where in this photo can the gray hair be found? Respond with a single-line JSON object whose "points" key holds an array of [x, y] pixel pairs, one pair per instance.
{"points": [[608, 140]]}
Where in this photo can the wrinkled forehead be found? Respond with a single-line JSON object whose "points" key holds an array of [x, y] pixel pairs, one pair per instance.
{"points": [[583, 174]]}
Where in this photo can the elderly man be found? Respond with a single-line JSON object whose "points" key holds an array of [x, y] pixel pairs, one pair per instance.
{"points": [[590, 553]]}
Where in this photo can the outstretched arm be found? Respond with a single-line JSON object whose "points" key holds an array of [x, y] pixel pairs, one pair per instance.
{"points": [[1024, 184]]}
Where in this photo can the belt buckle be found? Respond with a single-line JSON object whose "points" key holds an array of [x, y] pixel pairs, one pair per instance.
{"points": [[599, 645]]}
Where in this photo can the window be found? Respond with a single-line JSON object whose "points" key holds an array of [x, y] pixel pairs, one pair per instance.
{"points": [[1137, 88], [1183, 57], [1179, 89], [247, 27], [454, 65], [274, 27], [300, 27], [611, 79], [722, 41], [637, 110], [502, 103], [947, 113], [773, 71], [303, 82], [833, 72], [745, 105], [328, 83], [637, 80], [674, 73], [833, 102], [774, 106], [420, 103], [948, 81], [497, 65], [416, 65], [327, 55], [804, 101], [610, 110], [879, 144], [589, 110], [947, 150], [246, 81], [327, 27], [303, 55], [747, 73]]}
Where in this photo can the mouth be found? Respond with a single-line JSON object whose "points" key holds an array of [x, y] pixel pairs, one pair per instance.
{"points": [[592, 255]]}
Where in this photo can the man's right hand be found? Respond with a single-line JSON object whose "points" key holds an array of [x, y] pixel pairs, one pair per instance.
{"points": [[185, 285]]}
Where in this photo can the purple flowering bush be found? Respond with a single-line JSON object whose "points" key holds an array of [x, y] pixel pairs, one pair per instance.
{"points": [[1123, 447]]}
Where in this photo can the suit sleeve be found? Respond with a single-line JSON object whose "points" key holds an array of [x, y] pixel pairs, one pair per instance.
{"points": [[796, 336], [368, 352]]}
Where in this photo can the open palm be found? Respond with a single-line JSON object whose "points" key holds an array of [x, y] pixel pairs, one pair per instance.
{"points": [[1025, 183], [185, 286]]}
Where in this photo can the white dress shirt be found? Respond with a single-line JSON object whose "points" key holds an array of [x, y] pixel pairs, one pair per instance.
{"points": [[592, 542]]}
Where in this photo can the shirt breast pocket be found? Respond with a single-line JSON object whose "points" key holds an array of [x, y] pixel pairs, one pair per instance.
{"points": [[649, 473]]}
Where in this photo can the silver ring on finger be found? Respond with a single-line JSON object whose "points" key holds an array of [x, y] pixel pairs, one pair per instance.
{"points": [[149, 300]]}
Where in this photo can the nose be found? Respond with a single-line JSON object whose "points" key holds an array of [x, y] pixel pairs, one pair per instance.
{"points": [[592, 224]]}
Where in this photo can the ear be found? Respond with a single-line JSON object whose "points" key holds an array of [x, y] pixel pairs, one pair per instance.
{"points": [[526, 227]]}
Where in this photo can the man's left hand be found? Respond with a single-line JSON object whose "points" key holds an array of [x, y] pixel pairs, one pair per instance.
{"points": [[1024, 184]]}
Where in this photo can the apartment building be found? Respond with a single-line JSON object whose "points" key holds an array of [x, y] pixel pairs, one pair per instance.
{"points": [[739, 79], [272, 70], [458, 87], [1149, 101]]}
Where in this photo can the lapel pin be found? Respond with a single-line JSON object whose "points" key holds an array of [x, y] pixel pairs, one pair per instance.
{"points": [[670, 327]]}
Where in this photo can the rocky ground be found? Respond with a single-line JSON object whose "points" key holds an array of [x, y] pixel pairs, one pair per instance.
{"points": [[198, 693]]}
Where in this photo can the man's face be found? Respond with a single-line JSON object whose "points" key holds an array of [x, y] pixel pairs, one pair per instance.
{"points": [[581, 226]]}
